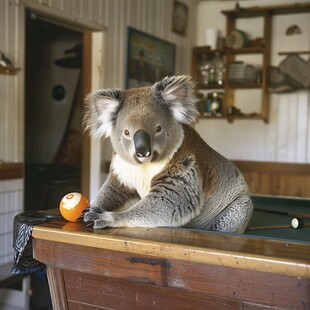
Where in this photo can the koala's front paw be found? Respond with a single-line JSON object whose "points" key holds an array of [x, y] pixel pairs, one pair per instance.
{"points": [[99, 218], [92, 214]]}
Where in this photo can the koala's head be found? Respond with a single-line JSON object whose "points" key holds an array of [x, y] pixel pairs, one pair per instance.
{"points": [[144, 124]]}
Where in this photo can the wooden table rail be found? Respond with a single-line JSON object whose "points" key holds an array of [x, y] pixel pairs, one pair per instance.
{"points": [[170, 268]]}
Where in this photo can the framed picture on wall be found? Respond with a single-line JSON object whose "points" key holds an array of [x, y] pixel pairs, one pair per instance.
{"points": [[149, 59]]}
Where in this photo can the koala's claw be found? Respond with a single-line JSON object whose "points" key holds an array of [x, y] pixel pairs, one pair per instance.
{"points": [[80, 218], [91, 216], [98, 218], [90, 225], [86, 210]]}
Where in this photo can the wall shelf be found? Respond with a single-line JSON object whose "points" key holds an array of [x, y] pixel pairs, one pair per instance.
{"points": [[212, 86], [295, 52], [244, 85], [8, 70], [229, 54], [11, 171], [231, 85], [246, 50], [213, 116], [257, 11], [232, 118]]}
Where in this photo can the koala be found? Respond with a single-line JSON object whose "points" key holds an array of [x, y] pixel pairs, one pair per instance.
{"points": [[162, 172]]}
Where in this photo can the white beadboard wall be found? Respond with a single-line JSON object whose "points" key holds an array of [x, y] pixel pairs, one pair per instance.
{"points": [[11, 203], [287, 136], [111, 16]]}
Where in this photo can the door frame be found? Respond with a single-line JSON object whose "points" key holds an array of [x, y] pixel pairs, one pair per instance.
{"points": [[87, 30], [86, 85]]}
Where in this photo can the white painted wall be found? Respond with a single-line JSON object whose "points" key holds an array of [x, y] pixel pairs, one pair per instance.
{"points": [[287, 136], [111, 16], [108, 17]]}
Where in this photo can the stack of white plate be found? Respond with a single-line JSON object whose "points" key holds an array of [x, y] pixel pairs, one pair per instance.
{"points": [[240, 72]]}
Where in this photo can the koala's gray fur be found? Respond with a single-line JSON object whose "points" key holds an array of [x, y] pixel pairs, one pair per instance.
{"points": [[162, 172]]}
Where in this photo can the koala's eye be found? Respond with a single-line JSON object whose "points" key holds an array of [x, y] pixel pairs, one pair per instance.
{"points": [[158, 129], [126, 132]]}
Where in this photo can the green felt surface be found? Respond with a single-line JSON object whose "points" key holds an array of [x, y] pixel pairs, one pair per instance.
{"points": [[263, 218]]}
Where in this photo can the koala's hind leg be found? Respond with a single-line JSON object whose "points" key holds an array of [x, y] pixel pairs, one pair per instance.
{"points": [[235, 217]]}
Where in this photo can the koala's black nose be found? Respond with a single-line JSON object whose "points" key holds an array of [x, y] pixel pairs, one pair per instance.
{"points": [[142, 141]]}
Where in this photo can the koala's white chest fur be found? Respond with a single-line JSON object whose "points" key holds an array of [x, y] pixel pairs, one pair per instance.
{"points": [[137, 177]]}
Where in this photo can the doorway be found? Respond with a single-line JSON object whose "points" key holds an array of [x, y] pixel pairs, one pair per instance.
{"points": [[54, 93], [57, 77]]}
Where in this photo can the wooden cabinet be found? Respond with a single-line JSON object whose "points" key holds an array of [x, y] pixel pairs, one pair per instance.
{"points": [[261, 47]]}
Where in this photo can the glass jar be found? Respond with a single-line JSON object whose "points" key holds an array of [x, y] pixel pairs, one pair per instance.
{"points": [[219, 69], [214, 103], [205, 70]]}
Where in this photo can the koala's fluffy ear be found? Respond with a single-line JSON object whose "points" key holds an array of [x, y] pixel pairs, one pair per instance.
{"points": [[101, 108], [177, 93]]}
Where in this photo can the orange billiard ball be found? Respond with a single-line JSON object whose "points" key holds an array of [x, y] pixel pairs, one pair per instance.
{"points": [[72, 205]]}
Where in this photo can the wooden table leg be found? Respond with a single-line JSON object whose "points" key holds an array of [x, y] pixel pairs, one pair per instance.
{"points": [[57, 288]]}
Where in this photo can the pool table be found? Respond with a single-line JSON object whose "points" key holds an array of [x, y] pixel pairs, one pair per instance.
{"points": [[170, 268], [270, 212]]}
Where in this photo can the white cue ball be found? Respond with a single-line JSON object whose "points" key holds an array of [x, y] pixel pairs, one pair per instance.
{"points": [[296, 223]]}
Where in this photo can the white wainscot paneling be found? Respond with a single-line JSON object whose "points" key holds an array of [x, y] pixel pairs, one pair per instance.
{"points": [[293, 131], [303, 127], [11, 203], [109, 16]]}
